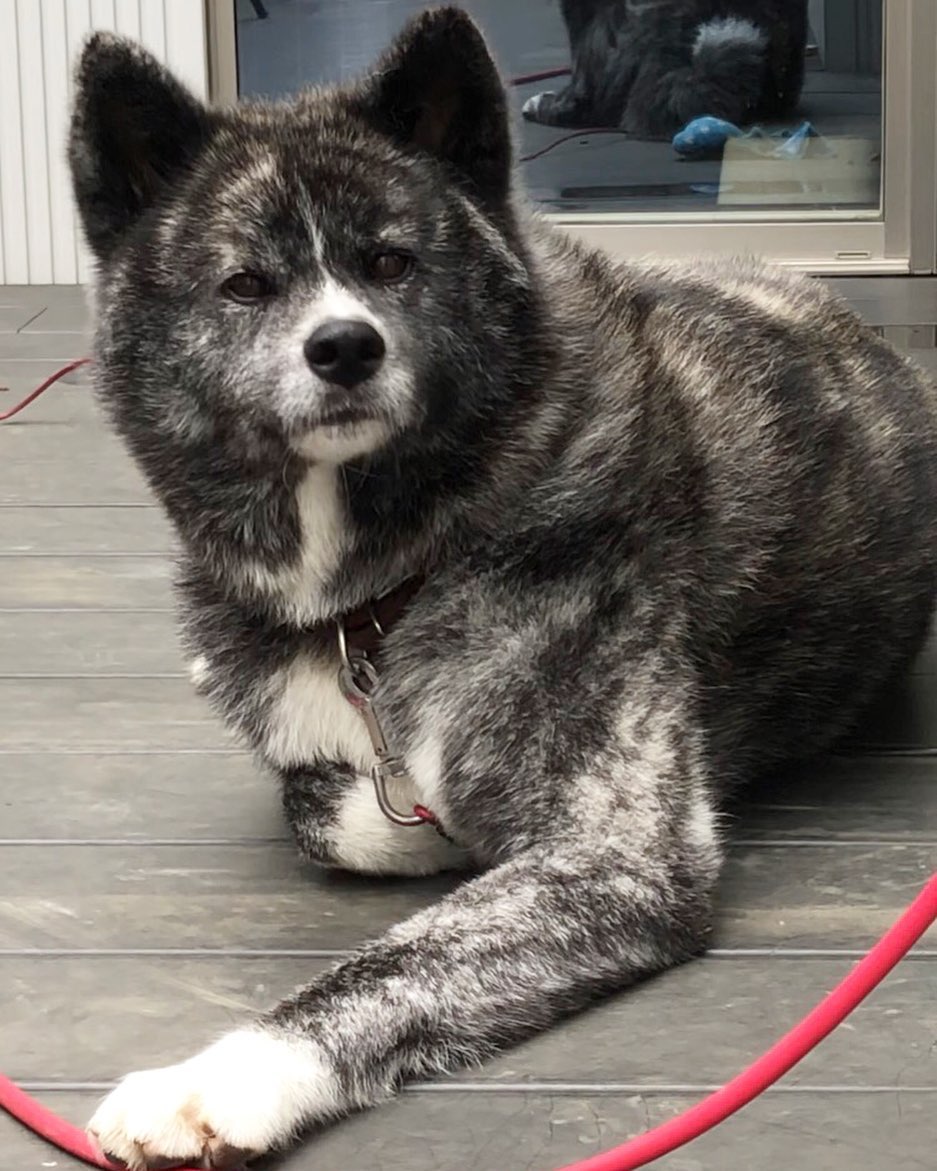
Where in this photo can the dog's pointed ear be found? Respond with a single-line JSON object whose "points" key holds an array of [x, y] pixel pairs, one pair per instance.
{"points": [[437, 90], [134, 130]]}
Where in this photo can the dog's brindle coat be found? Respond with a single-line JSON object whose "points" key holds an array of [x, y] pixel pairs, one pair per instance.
{"points": [[677, 520]]}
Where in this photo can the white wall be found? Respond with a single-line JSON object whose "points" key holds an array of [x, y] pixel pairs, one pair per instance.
{"points": [[39, 241]]}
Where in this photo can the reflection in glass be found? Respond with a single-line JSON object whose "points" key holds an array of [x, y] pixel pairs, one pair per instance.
{"points": [[639, 105]]}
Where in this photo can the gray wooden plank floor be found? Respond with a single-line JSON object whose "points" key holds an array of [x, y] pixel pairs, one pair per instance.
{"points": [[148, 894]]}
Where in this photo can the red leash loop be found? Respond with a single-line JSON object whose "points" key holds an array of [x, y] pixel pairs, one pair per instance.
{"points": [[782, 1056], [43, 387], [54, 1130], [644, 1149]]}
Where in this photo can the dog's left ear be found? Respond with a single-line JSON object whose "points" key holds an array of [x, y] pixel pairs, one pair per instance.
{"points": [[135, 130], [437, 90]]}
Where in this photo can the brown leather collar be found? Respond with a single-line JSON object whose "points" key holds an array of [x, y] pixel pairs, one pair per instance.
{"points": [[367, 626]]}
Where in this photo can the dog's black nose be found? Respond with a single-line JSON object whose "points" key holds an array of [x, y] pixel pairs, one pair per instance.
{"points": [[344, 352]]}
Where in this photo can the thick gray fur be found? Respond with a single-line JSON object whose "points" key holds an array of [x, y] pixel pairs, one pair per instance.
{"points": [[678, 522]]}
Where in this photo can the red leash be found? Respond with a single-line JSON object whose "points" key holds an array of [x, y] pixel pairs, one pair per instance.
{"points": [[584, 132], [644, 1149], [784, 1054], [43, 387], [61, 1134], [543, 75], [782, 1057]]}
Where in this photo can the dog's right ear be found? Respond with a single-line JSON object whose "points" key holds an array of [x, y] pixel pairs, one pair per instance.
{"points": [[437, 90], [134, 130]]}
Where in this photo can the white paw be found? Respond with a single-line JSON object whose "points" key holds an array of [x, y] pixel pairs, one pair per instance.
{"points": [[243, 1096], [531, 108]]}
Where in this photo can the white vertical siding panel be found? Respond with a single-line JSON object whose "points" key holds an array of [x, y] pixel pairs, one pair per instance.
{"points": [[153, 27], [103, 15], [35, 140], [39, 41], [77, 27], [4, 40], [185, 45], [12, 187], [55, 69], [127, 18]]}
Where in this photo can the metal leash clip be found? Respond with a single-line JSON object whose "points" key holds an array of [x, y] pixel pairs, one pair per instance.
{"points": [[358, 680]]}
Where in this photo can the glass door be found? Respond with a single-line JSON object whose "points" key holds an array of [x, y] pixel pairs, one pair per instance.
{"points": [[802, 130]]}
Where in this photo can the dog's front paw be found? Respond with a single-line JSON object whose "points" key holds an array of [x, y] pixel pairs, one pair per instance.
{"points": [[243, 1096], [537, 108]]}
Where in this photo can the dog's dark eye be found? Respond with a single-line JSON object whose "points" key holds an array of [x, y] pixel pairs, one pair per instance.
{"points": [[247, 287], [388, 267]]}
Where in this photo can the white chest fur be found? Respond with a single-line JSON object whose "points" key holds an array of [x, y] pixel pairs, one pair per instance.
{"points": [[310, 718], [324, 538]]}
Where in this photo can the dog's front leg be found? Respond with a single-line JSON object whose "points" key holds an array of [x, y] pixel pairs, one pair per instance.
{"points": [[614, 884]]}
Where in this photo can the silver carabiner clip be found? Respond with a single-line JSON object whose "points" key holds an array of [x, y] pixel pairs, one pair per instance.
{"points": [[358, 680], [394, 767]]}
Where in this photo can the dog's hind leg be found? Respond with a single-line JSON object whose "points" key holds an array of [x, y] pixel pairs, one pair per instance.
{"points": [[571, 106], [604, 66], [724, 79], [606, 876]]}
